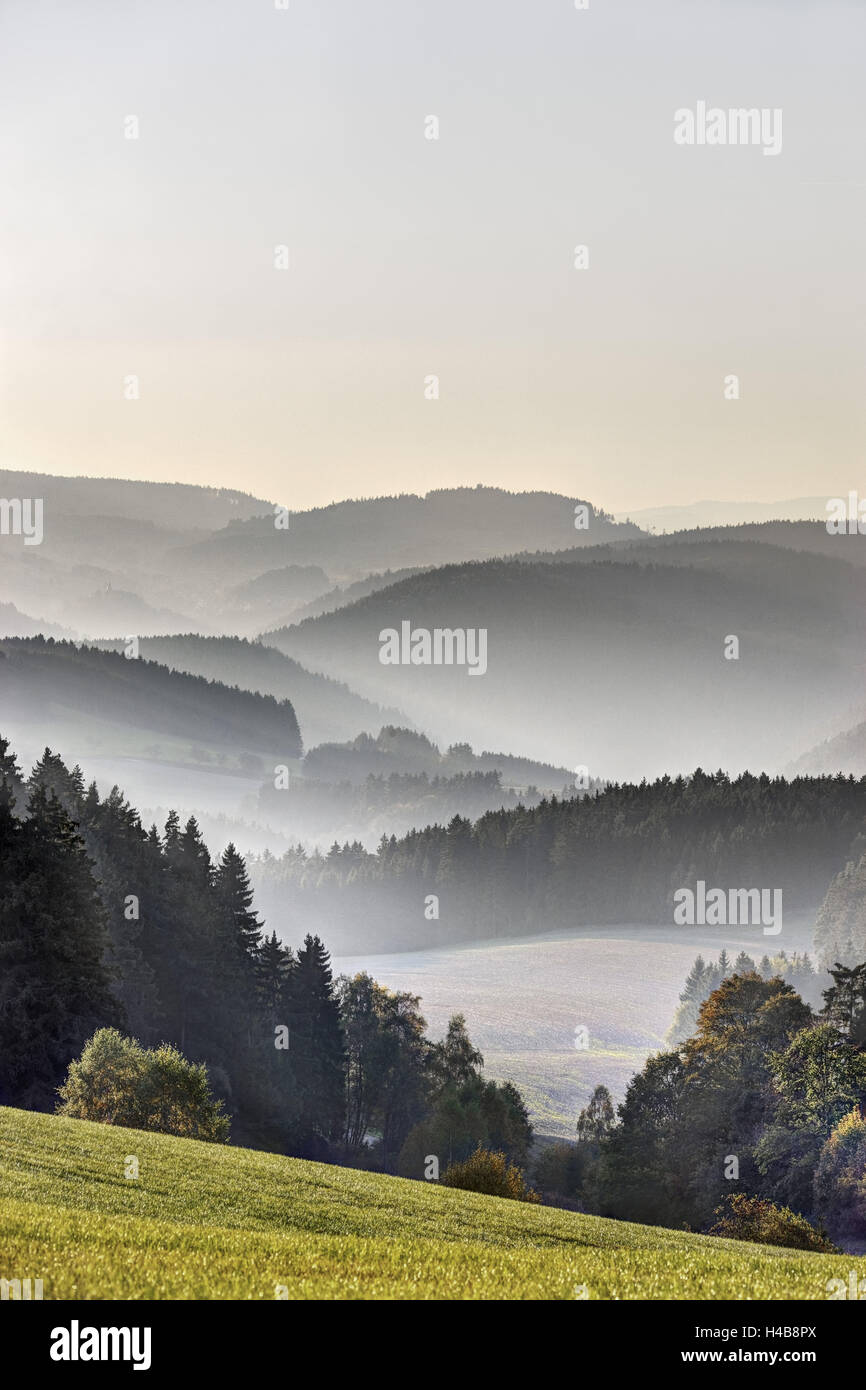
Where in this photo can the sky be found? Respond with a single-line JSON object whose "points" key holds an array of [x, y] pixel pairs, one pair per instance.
{"points": [[146, 331]]}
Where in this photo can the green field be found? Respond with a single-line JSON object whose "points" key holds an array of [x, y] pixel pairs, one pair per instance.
{"points": [[205, 1222]]}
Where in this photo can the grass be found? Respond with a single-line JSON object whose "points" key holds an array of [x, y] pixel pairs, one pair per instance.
{"points": [[210, 1222]]}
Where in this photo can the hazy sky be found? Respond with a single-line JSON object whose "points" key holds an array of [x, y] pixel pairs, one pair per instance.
{"points": [[305, 127]]}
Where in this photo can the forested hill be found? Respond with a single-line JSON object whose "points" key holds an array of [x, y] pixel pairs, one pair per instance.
{"points": [[363, 535], [615, 857], [615, 663], [63, 690], [327, 709], [846, 752], [177, 506], [104, 923], [400, 750], [811, 536]]}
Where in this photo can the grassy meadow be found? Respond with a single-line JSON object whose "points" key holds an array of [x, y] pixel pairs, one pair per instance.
{"points": [[203, 1221]]}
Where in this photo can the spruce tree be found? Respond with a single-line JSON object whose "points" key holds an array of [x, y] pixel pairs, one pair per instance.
{"points": [[118, 846], [11, 779], [845, 1002], [317, 1050], [233, 886], [54, 988], [274, 967], [694, 987]]}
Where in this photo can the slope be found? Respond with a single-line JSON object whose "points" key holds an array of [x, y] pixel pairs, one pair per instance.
{"points": [[97, 701], [206, 1221], [327, 709], [616, 661], [844, 752], [359, 536]]}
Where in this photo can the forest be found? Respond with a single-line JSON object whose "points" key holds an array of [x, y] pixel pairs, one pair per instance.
{"points": [[617, 855], [109, 931], [107, 925]]}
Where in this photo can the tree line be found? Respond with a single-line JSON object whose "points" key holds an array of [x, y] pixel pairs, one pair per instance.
{"points": [[706, 976], [138, 693], [616, 855], [399, 801]]}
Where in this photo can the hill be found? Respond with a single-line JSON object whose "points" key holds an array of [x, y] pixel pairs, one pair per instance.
{"points": [[614, 857], [396, 750], [614, 657], [709, 513], [14, 623], [118, 537], [204, 1221], [107, 611], [214, 560], [360, 536], [327, 709], [285, 590], [396, 782], [341, 595], [845, 752], [176, 506], [103, 703], [810, 536], [810, 551]]}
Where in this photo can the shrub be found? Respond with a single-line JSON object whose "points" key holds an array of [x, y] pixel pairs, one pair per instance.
{"points": [[840, 1178], [761, 1221], [116, 1081], [489, 1172]]}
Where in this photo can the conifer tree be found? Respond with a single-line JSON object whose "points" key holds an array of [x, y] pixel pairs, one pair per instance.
{"points": [[118, 846], [274, 968], [11, 779], [54, 988], [845, 1002], [233, 886], [317, 1043], [694, 986]]}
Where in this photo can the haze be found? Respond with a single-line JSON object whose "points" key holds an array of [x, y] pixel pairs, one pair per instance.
{"points": [[409, 257]]}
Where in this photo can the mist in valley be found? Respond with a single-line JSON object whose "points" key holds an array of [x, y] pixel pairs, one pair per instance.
{"points": [[425, 819]]}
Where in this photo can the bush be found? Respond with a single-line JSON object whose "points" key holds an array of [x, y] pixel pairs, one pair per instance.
{"points": [[840, 1178], [116, 1081], [489, 1172], [476, 1114], [761, 1221]]}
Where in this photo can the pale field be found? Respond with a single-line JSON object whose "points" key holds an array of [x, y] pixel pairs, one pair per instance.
{"points": [[524, 999]]}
